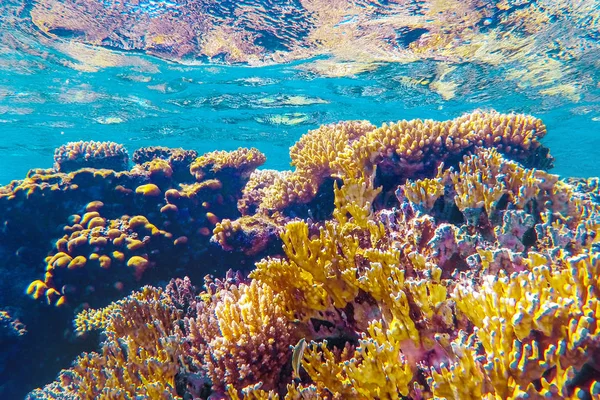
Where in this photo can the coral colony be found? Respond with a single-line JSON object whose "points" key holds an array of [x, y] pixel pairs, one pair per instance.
{"points": [[415, 260]]}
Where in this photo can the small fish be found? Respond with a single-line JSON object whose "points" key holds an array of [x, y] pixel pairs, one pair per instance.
{"points": [[297, 356]]}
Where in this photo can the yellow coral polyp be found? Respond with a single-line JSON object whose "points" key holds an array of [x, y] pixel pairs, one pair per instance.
{"points": [[36, 289], [139, 264], [320, 258], [150, 190], [138, 221], [77, 262], [105, 261], [60, 260], [87, 217]]}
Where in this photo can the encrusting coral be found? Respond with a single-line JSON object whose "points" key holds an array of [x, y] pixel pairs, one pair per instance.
{"points": [[164, 207], [482, 280]]}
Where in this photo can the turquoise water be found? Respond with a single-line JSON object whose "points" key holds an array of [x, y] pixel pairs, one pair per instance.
{"points": [[53, 93], [224, 107]]}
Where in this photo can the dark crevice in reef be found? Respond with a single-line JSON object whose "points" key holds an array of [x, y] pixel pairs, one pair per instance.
{"points": [[321, 207]]}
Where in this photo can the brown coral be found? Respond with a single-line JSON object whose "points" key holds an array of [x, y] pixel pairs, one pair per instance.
{"points": [[241, 162], [241, 337], [99, 155]]}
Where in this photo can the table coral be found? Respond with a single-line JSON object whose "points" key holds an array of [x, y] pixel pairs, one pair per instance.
{"points": [[243, 161]]}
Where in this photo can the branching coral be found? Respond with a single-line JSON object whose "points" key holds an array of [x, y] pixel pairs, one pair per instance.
{"points": [[376, 369], [409, 148], [481, 281], [425, 320], [243, 161], [537, 329], [406, 149], [140, 357], [254, 191], [241, 337]]}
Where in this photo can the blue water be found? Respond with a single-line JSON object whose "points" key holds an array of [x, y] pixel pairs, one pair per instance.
{"points": [[50, 96]]}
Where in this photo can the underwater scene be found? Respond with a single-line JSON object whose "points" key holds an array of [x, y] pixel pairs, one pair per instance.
{"points": [[299, 199]]}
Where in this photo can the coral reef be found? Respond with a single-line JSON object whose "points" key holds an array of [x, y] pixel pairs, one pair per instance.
{"points": [[480, 278], [77, 239], [77, 155], [392, 153]]}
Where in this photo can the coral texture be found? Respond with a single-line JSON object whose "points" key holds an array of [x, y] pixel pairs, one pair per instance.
{"points": [[76, 155], [479, 278], [401, 150]]}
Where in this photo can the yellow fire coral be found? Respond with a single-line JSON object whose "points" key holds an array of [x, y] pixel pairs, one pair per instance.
{"points": [[376, 369], [425, 192], [532, 323], [404, 149], [140, 356], [243, 317], [485, 177]]}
